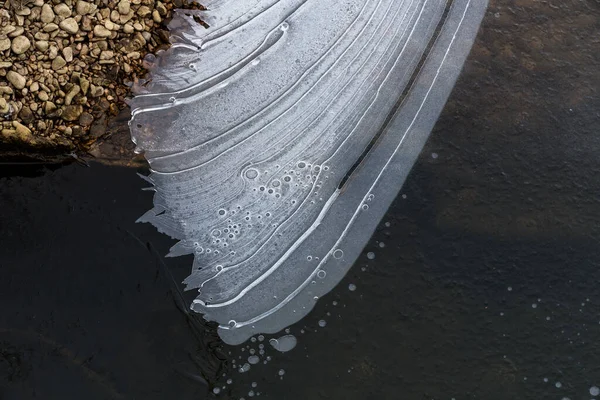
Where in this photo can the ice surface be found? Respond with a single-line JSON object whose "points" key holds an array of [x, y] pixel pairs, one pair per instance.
{"points": [[279, 136]]}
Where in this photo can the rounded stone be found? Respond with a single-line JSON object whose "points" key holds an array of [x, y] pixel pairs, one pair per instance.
{"points": [[4, 44], [47, 15], [26, 115], [16, 79], [62, 10], [20, 45], [86, 119], [69, 25], [100, 31], [58, 63], [83, 7], [124, 6], [72, 113]]}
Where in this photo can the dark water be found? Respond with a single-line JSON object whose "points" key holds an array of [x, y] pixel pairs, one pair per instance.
{"points": [[487, 287]]}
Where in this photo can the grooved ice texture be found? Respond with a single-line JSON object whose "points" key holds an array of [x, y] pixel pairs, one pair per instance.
{"points": [[279, 136]]}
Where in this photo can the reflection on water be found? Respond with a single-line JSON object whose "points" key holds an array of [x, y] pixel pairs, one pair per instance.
{"points": [[486, 285]]}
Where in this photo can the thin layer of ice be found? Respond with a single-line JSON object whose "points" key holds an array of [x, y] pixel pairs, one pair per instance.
{"points": [[279, 136]]}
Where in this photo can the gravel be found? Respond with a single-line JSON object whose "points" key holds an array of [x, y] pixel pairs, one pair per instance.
{"points": [[67, 66]]}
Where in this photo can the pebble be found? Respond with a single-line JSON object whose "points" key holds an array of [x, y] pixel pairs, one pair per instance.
{"points": [[3, 106], [18, 31], [156, 17], [72, 112], [20, 45], [62, 10], [68, 54], [84, 8], [34, 87], [49, 107], [58, 63], [143, 11], [161, 8], [107, 55], [101, 31], [50, 27], [47, 14], [43, 96], [72, 93], [41, 36], [115, 16], [126, 18], [42, 45], [86, 119], [26, 115], [69, 25], [53, 52], [21, 129], [84, 84], [16, 79], [25, 11], [4, 44], [128, 28], [6, 30], [124, 6], [86, 23], [134, 55]]}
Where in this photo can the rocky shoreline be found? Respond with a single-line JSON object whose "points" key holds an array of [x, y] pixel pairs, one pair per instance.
{"points": [[66, 68]]}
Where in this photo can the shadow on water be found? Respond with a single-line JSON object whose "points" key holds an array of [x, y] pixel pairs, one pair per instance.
{"points": [[483, 285], [86, 310]]}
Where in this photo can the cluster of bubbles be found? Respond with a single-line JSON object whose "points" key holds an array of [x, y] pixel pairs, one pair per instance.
{"points": [[255, 353], [237, 220], [302, 177]]}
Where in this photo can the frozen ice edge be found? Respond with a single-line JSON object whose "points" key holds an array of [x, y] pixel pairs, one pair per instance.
{"points": [[380, 176]]}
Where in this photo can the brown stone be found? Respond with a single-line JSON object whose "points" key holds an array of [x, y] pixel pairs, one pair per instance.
{"points": [[86, 119], [72, 112], [26, 115]]}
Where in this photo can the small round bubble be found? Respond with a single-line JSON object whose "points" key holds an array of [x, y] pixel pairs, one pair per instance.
{"points": [[251, 173], [338, 253]]}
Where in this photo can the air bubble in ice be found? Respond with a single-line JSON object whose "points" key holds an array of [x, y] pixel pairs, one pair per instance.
{"points": [[284, 343]]}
